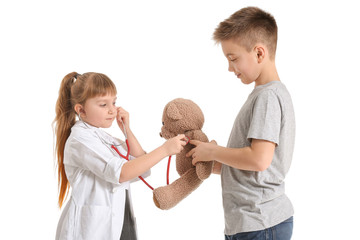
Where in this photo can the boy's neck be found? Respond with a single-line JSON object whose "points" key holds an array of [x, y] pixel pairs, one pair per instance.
{"points": [[268, 74]]}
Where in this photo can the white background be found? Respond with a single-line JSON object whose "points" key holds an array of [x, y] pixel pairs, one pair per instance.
{"points": [[156, 51]]}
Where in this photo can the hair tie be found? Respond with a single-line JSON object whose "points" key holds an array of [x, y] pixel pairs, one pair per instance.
{"points": [[76, 76]]}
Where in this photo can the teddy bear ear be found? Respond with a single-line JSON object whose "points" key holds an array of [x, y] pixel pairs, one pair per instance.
{"points": [[173, 112]]}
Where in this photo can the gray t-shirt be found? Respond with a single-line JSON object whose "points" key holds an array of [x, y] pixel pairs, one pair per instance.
{"points": [[256, 200]]}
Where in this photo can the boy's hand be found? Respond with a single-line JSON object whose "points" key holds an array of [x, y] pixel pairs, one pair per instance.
{"points": [[202, 152]]}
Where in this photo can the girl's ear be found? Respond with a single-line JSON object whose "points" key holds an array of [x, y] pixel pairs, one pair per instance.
{"points": [[79, 109]]}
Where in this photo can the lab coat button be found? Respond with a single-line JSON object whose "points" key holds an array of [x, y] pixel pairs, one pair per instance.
{"points": [[114, 190]]}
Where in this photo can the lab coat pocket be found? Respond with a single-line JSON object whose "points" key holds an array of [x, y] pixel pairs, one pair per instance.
{"points": [[94, 222]]}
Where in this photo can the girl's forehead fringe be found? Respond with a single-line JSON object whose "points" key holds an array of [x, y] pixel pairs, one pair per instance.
{"points": [[101, 92]]}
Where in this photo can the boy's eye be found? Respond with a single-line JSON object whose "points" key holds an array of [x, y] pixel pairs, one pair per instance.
{"points": [[232, 58], [103, 105]]}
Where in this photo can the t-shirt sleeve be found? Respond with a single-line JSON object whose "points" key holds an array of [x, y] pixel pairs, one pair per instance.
{"points": [[265, 120]]}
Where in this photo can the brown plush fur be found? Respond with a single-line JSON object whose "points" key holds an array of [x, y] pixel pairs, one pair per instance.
{"points": [[182, 116]]}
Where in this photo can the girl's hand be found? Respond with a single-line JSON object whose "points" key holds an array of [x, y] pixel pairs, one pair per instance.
{"points": [[122, 117], [175, 145]]}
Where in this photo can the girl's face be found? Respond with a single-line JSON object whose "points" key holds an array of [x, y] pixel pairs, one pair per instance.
{"points": [[241, 62], [99, 111]]}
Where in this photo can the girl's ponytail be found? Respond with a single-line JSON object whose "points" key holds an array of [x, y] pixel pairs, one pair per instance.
{"points": [[64, 120], [74, 89]]}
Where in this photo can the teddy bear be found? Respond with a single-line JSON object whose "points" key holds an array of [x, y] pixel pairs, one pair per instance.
{"points": [[182, 116]]}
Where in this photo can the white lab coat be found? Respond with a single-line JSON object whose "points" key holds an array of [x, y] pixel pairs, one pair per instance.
{"points": [[95, 209]]}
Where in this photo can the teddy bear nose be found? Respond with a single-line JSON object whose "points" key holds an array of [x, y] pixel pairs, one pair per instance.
{"points": [[163, 123], [160, 134]]}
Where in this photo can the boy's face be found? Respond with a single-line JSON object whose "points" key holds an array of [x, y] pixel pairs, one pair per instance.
{"points": [[241, 62], [100, 111]]}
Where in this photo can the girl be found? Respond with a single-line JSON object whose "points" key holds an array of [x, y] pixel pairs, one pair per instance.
{"points": [[100, 202]]}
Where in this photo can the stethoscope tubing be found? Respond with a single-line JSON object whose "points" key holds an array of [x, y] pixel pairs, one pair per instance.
{"points": [[127, 158], [141, 178]]}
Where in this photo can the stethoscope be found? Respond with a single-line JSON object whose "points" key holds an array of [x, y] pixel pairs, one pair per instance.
{"points": [[113, 146], [128, 154]]}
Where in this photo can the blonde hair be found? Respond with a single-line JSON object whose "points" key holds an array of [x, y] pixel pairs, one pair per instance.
{"points": [[75, 88], [249, 26]]}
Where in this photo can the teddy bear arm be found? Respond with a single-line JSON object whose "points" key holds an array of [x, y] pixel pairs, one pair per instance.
{"points": [[198, 135]]}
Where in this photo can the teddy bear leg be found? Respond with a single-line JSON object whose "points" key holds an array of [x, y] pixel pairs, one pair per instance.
{"points": [[168, 196], [204, 169]]}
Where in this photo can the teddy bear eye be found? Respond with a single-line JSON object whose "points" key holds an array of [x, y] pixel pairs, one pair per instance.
{"points": [[163, 123]]}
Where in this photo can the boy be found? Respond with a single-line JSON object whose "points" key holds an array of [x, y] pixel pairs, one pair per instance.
{"points": [[254, 164]]}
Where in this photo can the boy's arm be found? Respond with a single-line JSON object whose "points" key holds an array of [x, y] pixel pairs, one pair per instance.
{"points": [[257, 157], [217, 167]]}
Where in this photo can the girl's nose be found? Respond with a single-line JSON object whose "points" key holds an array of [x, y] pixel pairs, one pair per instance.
{"points": [[230, 68], [112, 110]]}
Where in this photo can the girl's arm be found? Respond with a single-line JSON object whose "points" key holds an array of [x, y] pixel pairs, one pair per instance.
{"points": [[135, 148], [123, 121], [140, 165]]}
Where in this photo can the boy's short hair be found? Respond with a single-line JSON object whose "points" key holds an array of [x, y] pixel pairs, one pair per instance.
{"points": [[249, 26]]}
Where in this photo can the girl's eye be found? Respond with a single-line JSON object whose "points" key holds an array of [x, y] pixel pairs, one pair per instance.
{"points": [[114, 103], [233, 59], [102, 105]]}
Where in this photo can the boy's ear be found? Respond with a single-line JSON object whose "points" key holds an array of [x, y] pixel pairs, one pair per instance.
{"points": [[260, 53]]}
